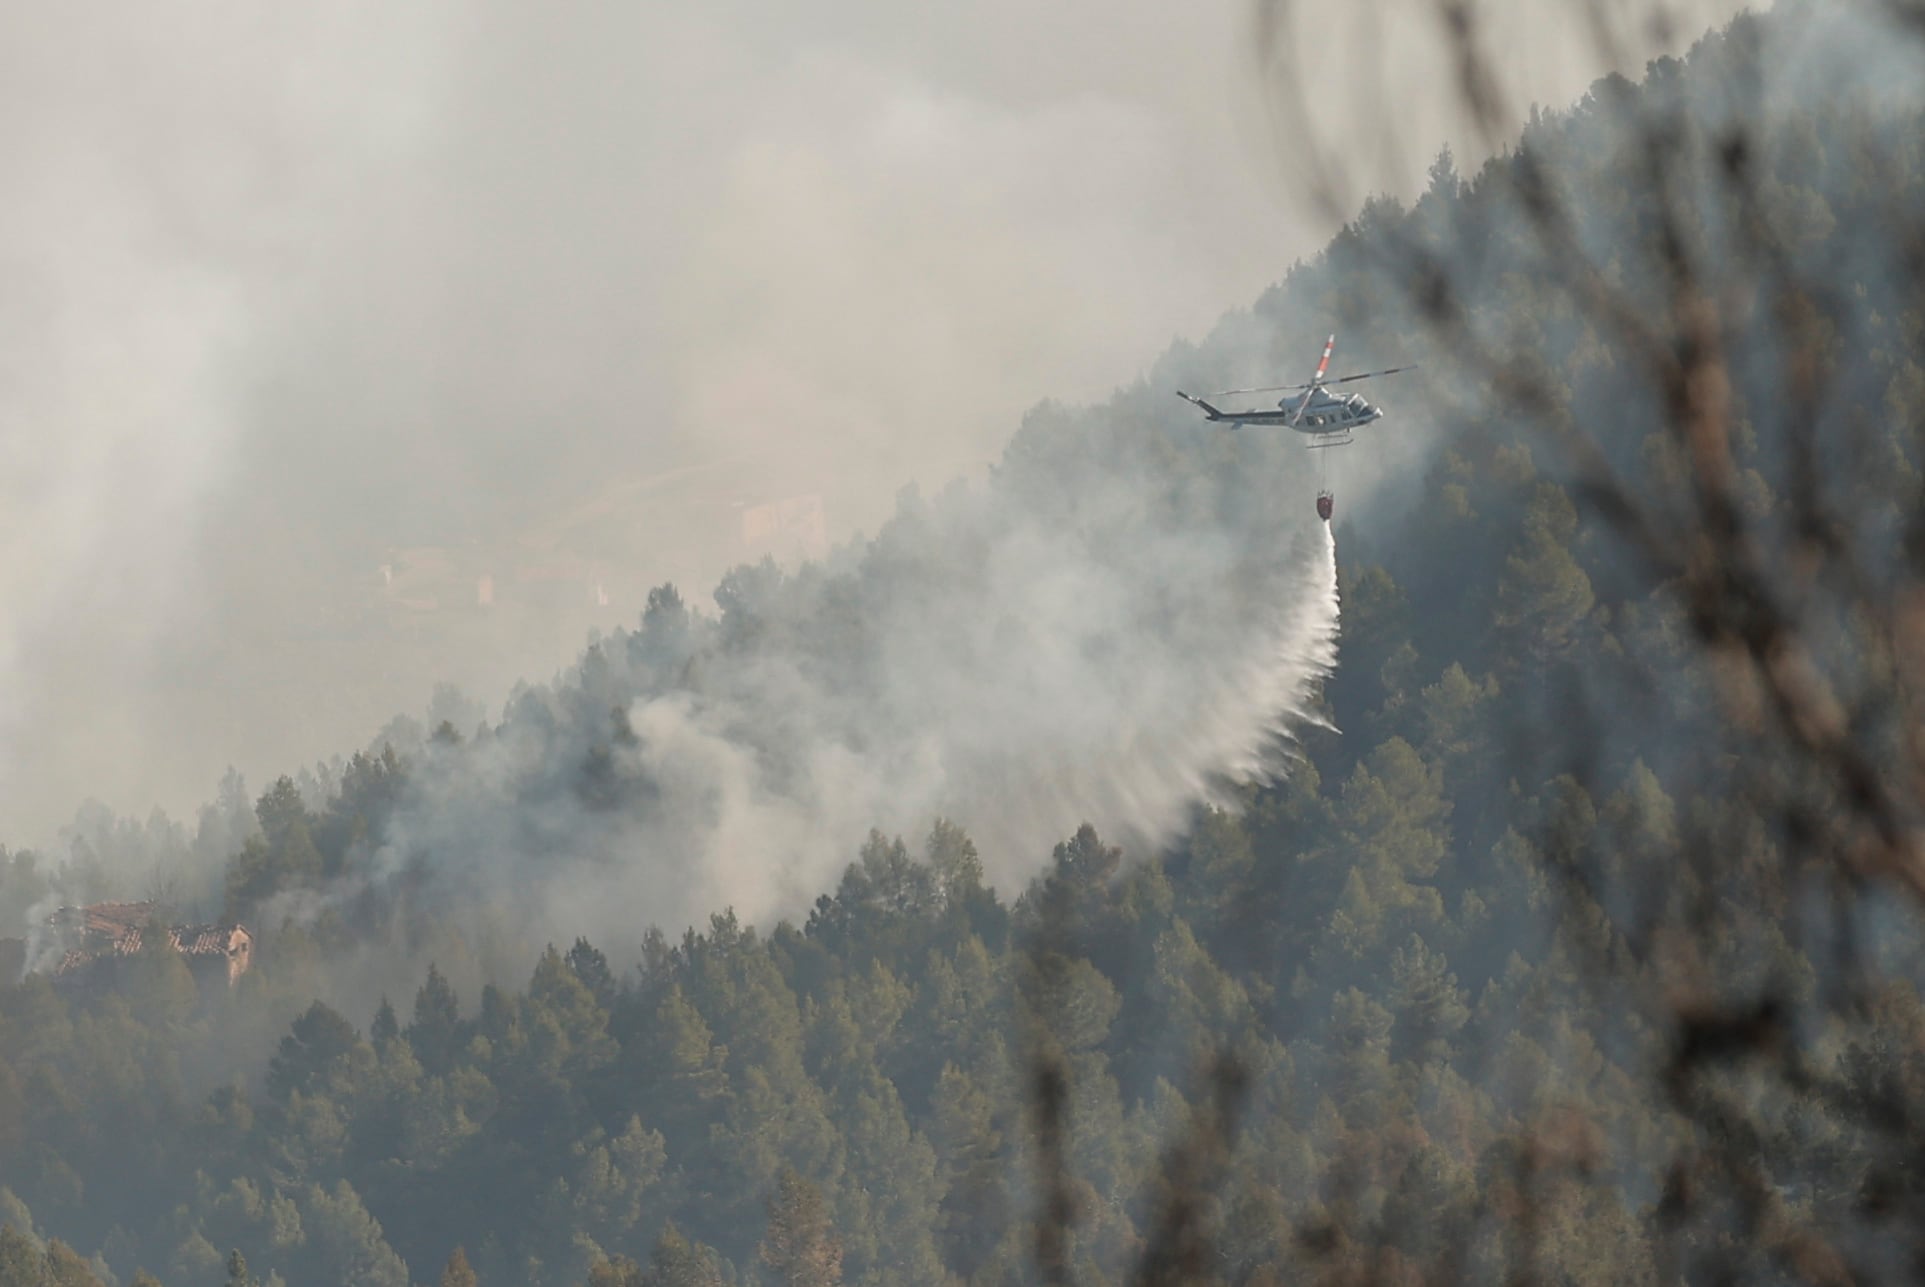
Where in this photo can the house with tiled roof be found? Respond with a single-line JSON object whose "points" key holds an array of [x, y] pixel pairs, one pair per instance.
{"points": [[94, 937]]}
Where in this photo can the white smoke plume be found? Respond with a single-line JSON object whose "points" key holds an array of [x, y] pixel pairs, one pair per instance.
{"points": [[1118, 625]]}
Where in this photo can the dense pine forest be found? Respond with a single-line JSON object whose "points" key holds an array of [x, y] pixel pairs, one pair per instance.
{"points": [[1408, 1012]]}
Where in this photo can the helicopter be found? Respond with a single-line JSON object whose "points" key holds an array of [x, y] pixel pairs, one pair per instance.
{"points": [[1329, 419]]}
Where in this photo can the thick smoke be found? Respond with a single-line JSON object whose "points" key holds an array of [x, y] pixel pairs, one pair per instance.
{"points": [[290, 288], [1081, 639]]}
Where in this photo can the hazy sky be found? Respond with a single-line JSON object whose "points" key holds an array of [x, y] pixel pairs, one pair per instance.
{"points": [[283, 287]]}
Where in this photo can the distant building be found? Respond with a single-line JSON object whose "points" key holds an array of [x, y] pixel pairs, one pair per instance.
{"points": [[418, 577], [791, 530], [223, 952], [96, 937]]}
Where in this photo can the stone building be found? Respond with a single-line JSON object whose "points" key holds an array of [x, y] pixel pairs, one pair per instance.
{"points": [[93, 938]]}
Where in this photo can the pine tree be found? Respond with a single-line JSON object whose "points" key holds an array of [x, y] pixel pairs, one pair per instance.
{"points": [[678, 1262], [66, 1268], [890, 1235], [954, 862], [1545, 595], [619, 1271], [677, 1069], [318, 1042], [22, 1262], [281, 809], [1443, 179], [237, 1271], [975, 1211], [591, 967], [1429, 1006], [800, 1246], [346, 1240], [456, 1272], [435, 1029], [386, 1027]]}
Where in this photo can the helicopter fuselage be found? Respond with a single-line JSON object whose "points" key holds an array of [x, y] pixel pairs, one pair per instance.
{"points": [[1326, 414]]}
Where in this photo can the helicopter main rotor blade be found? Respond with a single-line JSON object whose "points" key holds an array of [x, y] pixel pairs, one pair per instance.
{"points": [[1371, 374], [1268, 388], [1323, 364], [1346, 379]]}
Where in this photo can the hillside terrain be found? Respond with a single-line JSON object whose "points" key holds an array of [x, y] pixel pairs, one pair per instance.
{"points": [[1368, 972]]}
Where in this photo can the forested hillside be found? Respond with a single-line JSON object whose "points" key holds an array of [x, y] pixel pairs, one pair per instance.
{"points": [[1393, 1015]]}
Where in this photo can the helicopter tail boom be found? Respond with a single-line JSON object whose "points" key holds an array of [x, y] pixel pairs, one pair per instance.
{"points": [[1208, 410]]}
